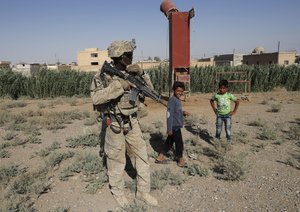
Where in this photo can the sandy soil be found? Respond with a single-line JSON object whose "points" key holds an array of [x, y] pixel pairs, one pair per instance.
{"points": [[270, 184]]}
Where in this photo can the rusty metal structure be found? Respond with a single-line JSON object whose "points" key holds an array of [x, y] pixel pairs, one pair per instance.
{"points": [[179, 43]]}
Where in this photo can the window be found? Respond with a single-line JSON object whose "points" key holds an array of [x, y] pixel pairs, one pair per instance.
{"points": [[94, 63], [94, 54], [286, 62]]}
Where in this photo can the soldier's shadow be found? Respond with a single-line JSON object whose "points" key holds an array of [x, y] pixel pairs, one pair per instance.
{"points": [[157, 141], [202, 133]]}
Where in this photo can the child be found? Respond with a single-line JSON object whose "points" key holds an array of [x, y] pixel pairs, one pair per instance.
{"points": [[223, 111], [174, 125]]}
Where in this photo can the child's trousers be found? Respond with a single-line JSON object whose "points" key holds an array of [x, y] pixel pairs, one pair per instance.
{"points": [[226, 119]]}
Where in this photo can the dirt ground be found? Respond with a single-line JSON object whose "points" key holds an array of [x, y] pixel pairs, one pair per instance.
{"points": [[270, 184]]}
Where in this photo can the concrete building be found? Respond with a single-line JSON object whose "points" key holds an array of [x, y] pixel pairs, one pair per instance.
{"points": [[5, 65], [259, 57], [91, 59], [228, 59], [203, 62], [148, 64], [58, 67], [27, 69]]}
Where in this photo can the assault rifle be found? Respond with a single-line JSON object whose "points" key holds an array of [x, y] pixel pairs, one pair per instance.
{"points": [[141, 88]]}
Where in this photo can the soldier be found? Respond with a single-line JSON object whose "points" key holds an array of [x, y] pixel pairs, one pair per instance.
{"points": [[121, 133]]}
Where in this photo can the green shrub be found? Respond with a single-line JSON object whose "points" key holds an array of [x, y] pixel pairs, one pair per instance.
{"points": [[232, 167], [47, 83], [161, 178], [196, 169]]}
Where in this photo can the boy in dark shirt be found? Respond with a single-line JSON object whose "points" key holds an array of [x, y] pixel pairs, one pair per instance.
{"points": [[174, 124]]}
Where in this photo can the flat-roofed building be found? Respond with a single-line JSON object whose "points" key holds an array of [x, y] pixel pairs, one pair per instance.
{"points": [[148, 64], [91, 59], [259, 57], [59, 67], [203, 62], [27, 69], [228, 59]]}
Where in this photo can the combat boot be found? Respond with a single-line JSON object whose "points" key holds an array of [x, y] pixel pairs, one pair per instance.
{"points": [[147, 198], [121, 200]]}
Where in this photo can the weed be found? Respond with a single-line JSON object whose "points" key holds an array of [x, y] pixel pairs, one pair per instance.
{"points": [[241, 137], [196, 169], [16, 202], [31, 113], [275, 108], [279, 142], [294, 160], [8, 173], [56, 158], [14, 104], [56, 120], [257, 123], [35, 183], [19, 142], [137, 207], [231, 167], [72, 101], [48, 150], [4, 154], [19, 119], [193, 146], [33, 139], [41, 105], [214, 153], [264, 102], [5, 145], [161, 178], [9, 136], [267, 134], [88, 165], [96, 183], [259, 146], [293, 133], [88, 140], [32, 128], [4, 118], [61, 209]]}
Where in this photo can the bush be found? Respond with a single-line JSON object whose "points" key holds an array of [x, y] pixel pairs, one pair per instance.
{"points": [[46, 83]]}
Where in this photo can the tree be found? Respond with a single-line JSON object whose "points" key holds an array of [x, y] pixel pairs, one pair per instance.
{"points": [[157, 59], [297, 59]]}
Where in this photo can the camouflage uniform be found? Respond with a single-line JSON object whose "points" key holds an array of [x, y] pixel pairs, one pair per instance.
{"points": [[121, 132]]}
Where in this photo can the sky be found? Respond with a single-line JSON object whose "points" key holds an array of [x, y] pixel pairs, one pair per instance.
{"points": [[50, 31]]}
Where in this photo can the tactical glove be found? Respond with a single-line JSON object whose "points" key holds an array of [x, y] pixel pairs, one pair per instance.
{"points": [[134, 69], [125, 84]]}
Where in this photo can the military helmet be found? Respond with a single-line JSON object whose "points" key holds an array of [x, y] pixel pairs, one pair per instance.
{"points": [[117, 48]]}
